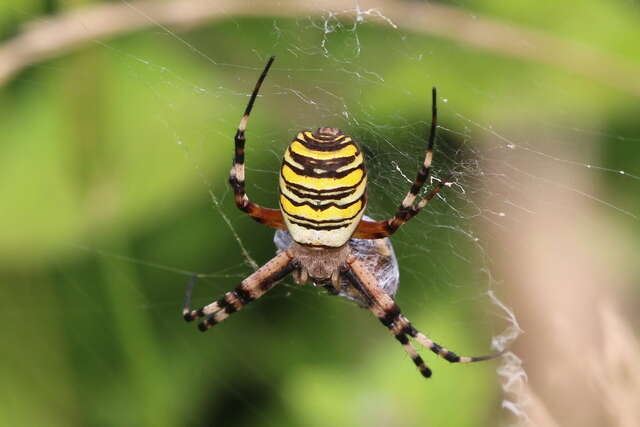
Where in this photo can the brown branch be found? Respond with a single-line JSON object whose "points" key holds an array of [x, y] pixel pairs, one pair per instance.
{"points": [[70, 30]]}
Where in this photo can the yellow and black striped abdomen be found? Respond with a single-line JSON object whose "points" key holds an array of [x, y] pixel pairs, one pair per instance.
{"points": [[322, 187]]}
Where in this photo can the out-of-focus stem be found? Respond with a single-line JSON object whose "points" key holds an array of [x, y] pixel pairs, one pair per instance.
{"points": [[42, 40]]}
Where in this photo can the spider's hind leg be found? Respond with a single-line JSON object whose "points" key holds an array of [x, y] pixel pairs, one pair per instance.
{"points": [[269, 217], [408, 208]]}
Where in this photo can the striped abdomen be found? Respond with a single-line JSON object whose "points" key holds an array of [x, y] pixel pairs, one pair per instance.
{"points": [[322, 187]]}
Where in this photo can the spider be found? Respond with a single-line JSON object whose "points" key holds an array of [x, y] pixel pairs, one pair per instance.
{"points": [[322, 199]]}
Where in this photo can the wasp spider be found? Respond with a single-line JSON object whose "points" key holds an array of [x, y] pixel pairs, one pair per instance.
{"points": [[323, 184]]}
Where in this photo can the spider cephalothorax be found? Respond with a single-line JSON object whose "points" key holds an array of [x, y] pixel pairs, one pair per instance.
{"points": [[320, 229]]}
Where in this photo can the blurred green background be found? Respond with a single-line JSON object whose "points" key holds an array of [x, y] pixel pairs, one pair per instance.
{"points": [[113, 165]]}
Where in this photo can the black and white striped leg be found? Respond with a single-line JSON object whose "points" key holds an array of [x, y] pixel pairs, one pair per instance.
{"points": [[425, 169], [446, 354], [269, 217], [402, 338], [236, 176], [408, 208], [383, 307], [251, 288]]}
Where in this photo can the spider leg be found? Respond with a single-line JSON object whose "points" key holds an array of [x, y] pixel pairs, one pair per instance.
{"points": [[388, 312], [266, 216], [381, 229], [381, 314], [250, 289], [408, 208]]}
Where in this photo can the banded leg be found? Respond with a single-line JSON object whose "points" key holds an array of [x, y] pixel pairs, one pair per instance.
{"points": [[408, 208], [382, 229], [250, 289], [266, 216], [380, 313], [383, 307]]}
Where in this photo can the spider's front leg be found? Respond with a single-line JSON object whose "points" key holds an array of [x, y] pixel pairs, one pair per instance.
{"points": [[251, 288], [389, 314]]}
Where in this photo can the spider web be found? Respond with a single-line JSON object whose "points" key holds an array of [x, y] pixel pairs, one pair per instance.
{"points": [[447, 229], [486, 161], [499, 177]]}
